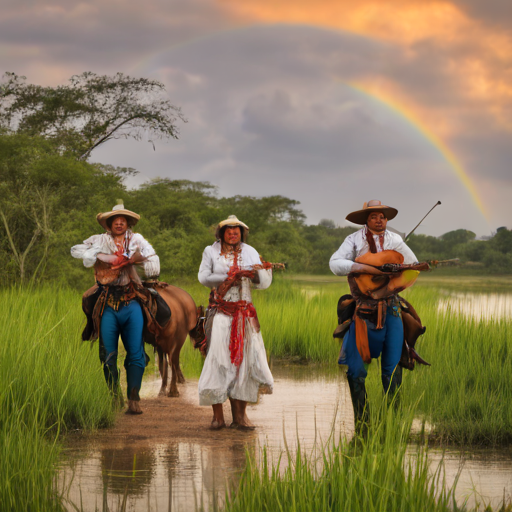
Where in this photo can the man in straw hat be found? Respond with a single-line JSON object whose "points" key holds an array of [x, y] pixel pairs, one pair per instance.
{"points": [[374, 326], [118, 312], [236, 363]]}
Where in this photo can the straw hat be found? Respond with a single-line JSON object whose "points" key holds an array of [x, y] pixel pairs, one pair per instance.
{"points": [[232, 220], [118, 209], [361, 216]]}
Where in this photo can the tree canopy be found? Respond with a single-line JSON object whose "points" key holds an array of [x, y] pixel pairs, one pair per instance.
{"points": [[49, 202], [89, 111], [50, 194]]}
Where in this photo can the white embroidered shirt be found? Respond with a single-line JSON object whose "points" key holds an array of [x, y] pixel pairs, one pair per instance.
{"points": [[356, 245], [104, 244]]}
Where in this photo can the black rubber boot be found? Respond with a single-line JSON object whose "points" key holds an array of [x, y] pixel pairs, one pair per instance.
{"points": [[111, 372], [361, 411], [392, 385]]}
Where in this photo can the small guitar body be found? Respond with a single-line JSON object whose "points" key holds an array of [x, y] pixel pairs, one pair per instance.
{"points": [[380, 286]]}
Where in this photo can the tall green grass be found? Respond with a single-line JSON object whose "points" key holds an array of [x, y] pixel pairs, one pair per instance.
{"points": [[297, 320], [466, 392], [50, 382], [369, 475]]}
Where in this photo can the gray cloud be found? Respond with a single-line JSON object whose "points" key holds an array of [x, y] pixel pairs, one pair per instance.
{"points": [[496, 12], [269, 113], [269, 110], [98, 34]]}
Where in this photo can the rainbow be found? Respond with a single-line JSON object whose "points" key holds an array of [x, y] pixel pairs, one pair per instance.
{"points": [[427, 133], [396, 108], [148, 62]]}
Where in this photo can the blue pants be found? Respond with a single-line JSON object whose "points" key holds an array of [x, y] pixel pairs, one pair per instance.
{"points": [[128, 323], [387, 341]]}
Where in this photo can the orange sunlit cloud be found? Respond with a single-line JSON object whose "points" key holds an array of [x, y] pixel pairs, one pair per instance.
{"points": [[400, 21], [407, 22]]}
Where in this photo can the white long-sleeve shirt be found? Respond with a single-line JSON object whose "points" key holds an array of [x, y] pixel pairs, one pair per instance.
{"points": [[356, 245], [214, 268], [104, 244], [220, 378]]}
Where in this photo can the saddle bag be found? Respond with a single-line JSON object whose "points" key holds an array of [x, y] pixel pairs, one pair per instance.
{"points": [[346, 309]]}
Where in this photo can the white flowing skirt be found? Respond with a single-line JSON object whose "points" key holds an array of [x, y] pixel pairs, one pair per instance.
{"points": [[220, 379]]}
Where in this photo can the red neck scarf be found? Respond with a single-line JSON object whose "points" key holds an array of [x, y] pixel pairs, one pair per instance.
{"points": [[371, 241], [239, 311]]}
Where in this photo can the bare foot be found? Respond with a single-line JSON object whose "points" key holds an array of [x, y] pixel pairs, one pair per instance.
{"points": [[217, 425], [134, 407], [245, 424], [240, 419]]}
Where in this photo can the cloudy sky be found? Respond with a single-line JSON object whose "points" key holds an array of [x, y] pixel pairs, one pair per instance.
{"points": [[332, 102]]}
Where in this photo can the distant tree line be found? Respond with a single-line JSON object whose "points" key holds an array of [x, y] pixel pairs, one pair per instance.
{"points": [[484, 256], [49, 202], [50, 193]]}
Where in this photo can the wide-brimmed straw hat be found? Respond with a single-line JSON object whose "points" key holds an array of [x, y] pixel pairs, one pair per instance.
{"points": [[232, 220], [118, 209], [361, 216]]}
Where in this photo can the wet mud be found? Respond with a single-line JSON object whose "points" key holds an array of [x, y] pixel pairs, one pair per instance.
{"points": [[167, 459]]}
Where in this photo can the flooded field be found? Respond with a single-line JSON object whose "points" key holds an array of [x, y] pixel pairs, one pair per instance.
{"points": [[153, 468], [479, 306], [63, 442]]}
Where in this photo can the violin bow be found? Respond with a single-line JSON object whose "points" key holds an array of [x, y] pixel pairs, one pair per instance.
{"points": [[417, 225]]}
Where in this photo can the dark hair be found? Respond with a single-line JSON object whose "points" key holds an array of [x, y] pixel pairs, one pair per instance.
{"points": [[223, 230], [129, 221]]}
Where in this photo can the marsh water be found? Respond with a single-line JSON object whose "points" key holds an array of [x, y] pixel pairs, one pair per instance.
{"points": [[477, 306], [310, 404]]}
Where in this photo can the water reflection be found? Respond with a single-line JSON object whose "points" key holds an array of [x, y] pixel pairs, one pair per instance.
{"points": [[127, 467], [100, 474], [174, 476], [484, 477], [147, 474], [479, 306]]}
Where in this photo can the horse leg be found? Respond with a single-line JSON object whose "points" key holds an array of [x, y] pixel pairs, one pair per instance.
{"points": [[162, 367], [173, 388], [176, 366]]}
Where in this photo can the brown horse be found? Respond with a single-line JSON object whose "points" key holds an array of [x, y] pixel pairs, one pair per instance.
{"points": [[183, 322]]}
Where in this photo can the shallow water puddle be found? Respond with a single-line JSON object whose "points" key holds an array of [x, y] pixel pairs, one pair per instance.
{"points": [[174, 474], [152, 472], [484, 476], [480, 306]]}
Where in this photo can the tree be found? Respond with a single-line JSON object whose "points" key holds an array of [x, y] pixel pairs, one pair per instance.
{"points": [[327, 223], [502, 241], [458, 236], [259, 212], [41, 190], [88, 112]]}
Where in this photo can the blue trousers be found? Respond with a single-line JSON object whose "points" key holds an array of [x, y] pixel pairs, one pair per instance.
{"points": [[386, 342], [128, 323]]}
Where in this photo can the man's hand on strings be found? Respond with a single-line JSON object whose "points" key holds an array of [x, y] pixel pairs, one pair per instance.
{"points": [[361, 268], [112, 259]]}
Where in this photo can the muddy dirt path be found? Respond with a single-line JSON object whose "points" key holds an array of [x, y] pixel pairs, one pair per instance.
{"points": [[165, 419], [168, 459]]}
